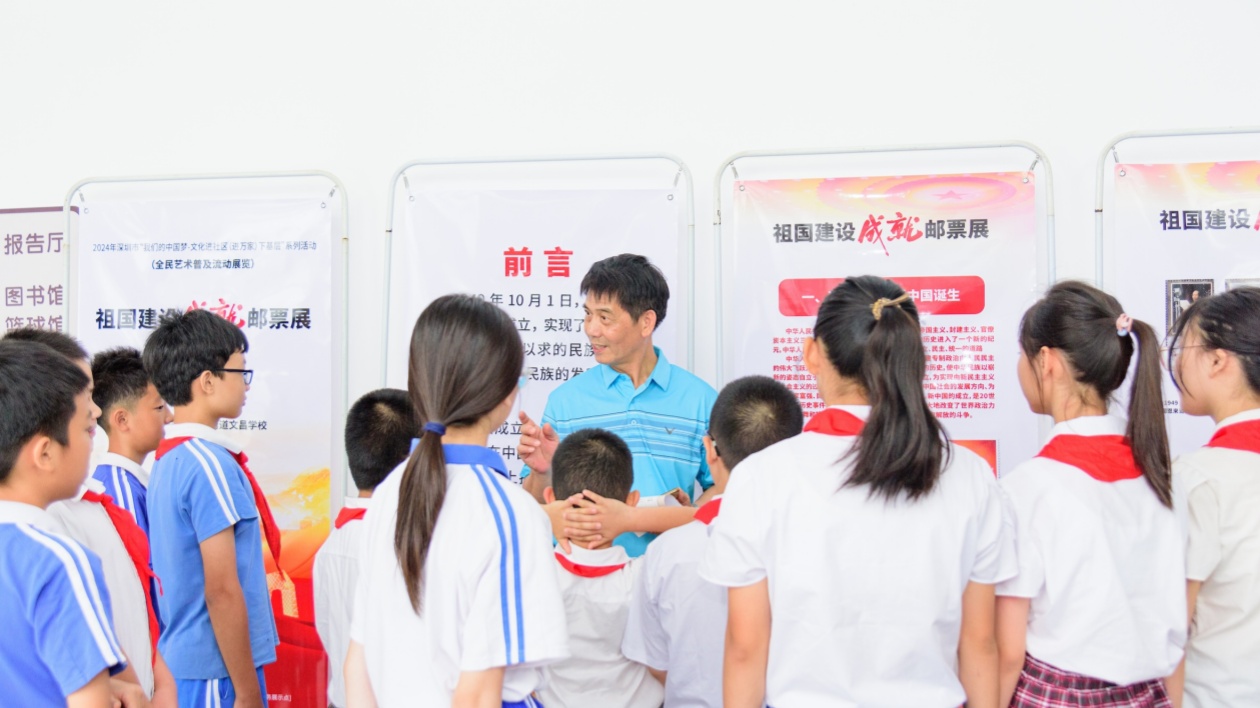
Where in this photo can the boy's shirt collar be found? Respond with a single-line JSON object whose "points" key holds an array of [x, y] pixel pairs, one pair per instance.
{"points": [[587, 563], [113, 458], [204, 432], [91, 484], [12, 512]]}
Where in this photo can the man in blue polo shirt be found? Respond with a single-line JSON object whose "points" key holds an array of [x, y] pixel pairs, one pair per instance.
{"points": [[660, 410]]}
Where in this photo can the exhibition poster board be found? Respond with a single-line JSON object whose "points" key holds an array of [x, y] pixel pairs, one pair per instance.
{"points": [[964, 246], [526, 250]]}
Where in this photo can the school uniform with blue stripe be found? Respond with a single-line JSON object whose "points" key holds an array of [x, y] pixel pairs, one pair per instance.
{"points": [[663, 422], [490, 596], [55, 612], [128, 484], [196, 491]]}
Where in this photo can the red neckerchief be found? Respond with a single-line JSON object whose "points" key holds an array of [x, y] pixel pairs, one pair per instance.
{"points": [[587, 571], [1243, 436], [707, 513], [346, 515], [1106, 458], [137, 545], [271, 532], [834, 421]]}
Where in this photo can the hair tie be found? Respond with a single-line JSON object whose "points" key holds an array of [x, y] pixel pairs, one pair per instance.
{"points": [[1124, 323], [877, 308], [435, 428]]}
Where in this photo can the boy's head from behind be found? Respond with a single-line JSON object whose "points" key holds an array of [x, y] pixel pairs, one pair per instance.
{"points": [[750, 414], [379, 429], [132, 411], [47, 419], [188, 357], [62, 344], [596, 460]]}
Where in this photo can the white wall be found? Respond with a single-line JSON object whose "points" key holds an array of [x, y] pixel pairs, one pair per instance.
{"points": [[358, 88]]}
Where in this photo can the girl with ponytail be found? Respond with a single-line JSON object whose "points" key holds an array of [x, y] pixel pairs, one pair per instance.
{"points": [[1097, 613], [457, 601], [872, 541], [1214, 356]]}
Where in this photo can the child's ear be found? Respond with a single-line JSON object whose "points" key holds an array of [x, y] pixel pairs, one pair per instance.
{"points": [[813, 355], [710, 451], [118, 419], [549, 495], [41, 451], [632, 499]]}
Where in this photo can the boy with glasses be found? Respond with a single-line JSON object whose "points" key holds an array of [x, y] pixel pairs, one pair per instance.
{"points": [[205, 514]]}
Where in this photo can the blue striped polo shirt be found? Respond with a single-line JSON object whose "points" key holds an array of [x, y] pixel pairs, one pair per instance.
{"points": [[663, 422]]}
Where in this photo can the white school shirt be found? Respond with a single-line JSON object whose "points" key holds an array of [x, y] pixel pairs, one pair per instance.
{"points": [[677, 620], [597, 673], [490, 595], [334, 577], [1103, 565], [866, 595], [90, 525], [1223, 654]]}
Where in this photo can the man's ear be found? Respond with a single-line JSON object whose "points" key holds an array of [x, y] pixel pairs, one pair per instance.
{"points": [[647, 322], [632, 499], [549, 495]]}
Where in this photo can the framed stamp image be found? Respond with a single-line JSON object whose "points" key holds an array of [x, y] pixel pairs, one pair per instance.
{"points": [[1179, 295]]}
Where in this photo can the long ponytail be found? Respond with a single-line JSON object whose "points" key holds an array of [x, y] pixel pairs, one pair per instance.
{"points": [[1085, 324], [869, 328], [466, 357]]}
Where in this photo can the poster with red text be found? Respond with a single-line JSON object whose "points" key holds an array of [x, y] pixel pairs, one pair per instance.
{"points": [[266, 267], [1182, 232], [963, 246], [526, 251]]}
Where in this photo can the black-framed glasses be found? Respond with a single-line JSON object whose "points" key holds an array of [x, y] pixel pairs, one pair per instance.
{"points": [[247, 374]]}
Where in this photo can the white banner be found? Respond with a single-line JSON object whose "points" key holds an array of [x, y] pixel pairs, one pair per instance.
{"points": [[265, 266], [527, 251], [1182, 232], [34, 267], [963, 246]]}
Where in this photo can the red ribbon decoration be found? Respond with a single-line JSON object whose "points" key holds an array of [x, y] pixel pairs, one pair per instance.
{"points": [[1243, 436], [587, 571], [834, 421], [137, 545], [707, 513], [271, 532], [1106, 458], [346, 515]]}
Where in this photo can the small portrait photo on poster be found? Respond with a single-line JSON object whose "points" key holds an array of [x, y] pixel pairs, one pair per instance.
{"points": [[1180, 294], [1232, 283]]}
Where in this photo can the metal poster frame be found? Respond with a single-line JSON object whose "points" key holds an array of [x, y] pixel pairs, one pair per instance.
{"points": [[1204, 149], [580, 169], [905, 154], [248, 184]]}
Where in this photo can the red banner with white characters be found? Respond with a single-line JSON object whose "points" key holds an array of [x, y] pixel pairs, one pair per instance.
{"points": [[963, 246]]}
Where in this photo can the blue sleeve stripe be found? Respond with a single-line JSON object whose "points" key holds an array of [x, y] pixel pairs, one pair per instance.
{"points": [[86, 594], [516, 564], [218, 480], [503, 581]]}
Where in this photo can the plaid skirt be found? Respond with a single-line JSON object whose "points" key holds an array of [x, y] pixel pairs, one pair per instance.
{"points": [[1043, 686]]}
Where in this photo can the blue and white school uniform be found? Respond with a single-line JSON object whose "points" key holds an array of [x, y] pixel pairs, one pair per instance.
{"points": [[866, 593], [196, 491], [127, 483], [1100, 558], [490, 596], [677, 620], [55, 612]]}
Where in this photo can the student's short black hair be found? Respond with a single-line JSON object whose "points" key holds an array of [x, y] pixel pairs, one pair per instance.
{"points": [[379, 429], [63, 344], [636, 285], [593, 459], [183, 346], [37, 390], [751, 414], [119, 379]]}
